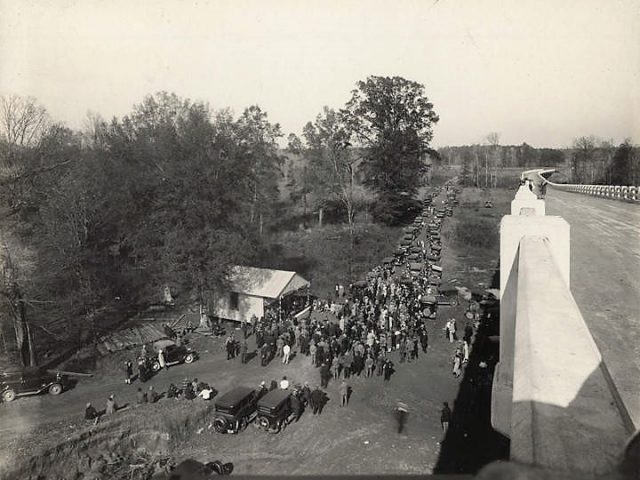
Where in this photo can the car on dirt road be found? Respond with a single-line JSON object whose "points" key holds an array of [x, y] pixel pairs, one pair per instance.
{"points": [[235, 410], [275, 411], [173, 354], [30, 381]]}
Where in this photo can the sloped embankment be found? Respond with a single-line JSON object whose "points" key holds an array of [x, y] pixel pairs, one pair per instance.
{"points": [[130, 441]]}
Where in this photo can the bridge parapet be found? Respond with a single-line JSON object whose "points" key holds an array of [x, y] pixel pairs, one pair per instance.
{"points": [[552, 394], [624, 193]]}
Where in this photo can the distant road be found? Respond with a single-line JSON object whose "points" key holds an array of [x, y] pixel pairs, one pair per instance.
{"points": [[605, 281]]}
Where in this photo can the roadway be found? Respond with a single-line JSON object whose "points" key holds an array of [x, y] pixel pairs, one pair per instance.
{"points": [[605, 281]]}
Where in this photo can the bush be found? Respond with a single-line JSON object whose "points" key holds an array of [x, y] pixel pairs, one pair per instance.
{"points": [[396, 209], [476, 231]]}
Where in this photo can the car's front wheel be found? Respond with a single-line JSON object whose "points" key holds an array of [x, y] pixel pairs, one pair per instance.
{"points": [[155, 366], [9, 395], [264, 423], [189, 358], [220, 425], [55, 389]]}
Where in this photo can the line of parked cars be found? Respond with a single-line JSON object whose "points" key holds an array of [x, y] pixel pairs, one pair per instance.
{"points": [[27, 381]]}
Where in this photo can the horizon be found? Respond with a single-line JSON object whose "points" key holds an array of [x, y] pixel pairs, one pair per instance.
{"points": [[535, 73]]}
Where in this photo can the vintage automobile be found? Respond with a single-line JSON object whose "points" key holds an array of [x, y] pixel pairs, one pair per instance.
{"points": [[436, 270], [429, 306], [30, 381], [434, 257], [235, 410], [274, 411], [173, 354], [416, 268], [447, 296]]}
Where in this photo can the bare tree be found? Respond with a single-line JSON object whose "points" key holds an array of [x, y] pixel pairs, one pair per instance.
{"points": [[493, 139], [22, 120]]}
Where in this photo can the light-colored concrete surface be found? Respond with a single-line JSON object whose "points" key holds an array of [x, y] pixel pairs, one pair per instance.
{"points": [[605, 282], [562, 402], [526, 199], [512, 229]]}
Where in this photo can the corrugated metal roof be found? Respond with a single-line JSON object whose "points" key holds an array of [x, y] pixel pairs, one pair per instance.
{"points": [[262, 282]]}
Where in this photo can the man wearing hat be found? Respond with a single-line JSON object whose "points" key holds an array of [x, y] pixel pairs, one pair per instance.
{"points": [[262, 389]]}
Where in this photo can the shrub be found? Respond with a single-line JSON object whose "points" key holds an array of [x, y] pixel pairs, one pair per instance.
{"points": [[476, 231]]}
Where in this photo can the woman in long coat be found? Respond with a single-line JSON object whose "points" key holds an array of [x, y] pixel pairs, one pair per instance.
{"points": [[161, 360]]}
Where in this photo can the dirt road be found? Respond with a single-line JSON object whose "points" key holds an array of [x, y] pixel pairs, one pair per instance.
{"points": [[605, 281]]}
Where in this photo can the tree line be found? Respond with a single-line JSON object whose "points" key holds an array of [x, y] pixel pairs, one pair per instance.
{"points": [[589, 160], [174, 193]]}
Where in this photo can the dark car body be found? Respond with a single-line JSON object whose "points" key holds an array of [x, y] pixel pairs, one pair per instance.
{"points": [[274, 410], [173, 355], [235, 410], [29, 381]]}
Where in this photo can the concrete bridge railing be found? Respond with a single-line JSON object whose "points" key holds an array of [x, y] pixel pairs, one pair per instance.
{"points": [[552, 393], [624, 193]]}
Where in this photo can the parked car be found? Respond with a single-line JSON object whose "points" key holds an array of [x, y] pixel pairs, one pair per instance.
{"points": [[447, 296], [173, 354], [429, 306], [30, 381], [235, 410], [274, 411]]}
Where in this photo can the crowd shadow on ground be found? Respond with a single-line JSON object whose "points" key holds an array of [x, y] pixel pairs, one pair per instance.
{"points": [[470, 442]]}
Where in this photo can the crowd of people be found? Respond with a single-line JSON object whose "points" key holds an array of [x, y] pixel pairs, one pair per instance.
{"points": [[359, 333]]}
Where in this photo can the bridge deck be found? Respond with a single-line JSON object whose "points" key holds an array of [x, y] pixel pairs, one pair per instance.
{"points": [[605, 281]]}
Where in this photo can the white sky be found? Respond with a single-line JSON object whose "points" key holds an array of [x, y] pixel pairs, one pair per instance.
{"points": [[540, 71]]}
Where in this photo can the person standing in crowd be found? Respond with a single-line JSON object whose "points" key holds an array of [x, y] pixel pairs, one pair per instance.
{"points": [[296, 407], [457, 363], [402, 412], [312, 351], [452, 330], [335, 368], [347, 362], [244, 348], [369, 366], [325, 375], [128, 369], [286, 351], [380, 363], [279, 347], [230, 347], [387, 369], [264, 354], [465, 352], [162, 360], [445, 417], [317, 401], [344, 394], [284, 383]]}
